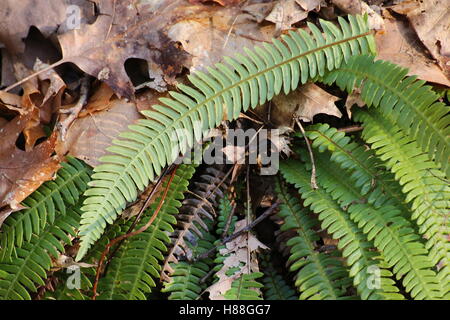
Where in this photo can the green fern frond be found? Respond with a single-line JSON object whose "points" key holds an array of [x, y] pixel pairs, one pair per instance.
{"points": [[275, 287], [245, 287], [407, 101], [320, 276], [355, 247], [422, 181], [186, 278], [44, 206], [28, 270], [392, 235], [132, 272], [173, 126], [366, 171]]}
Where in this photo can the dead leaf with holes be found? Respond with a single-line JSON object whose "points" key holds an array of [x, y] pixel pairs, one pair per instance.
{"points": [[126, 29], [22, 172], [431, 21], [399, 44], [88, 137]]}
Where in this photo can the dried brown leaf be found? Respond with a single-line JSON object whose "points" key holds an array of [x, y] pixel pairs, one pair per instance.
{"points": [[399, 44]]}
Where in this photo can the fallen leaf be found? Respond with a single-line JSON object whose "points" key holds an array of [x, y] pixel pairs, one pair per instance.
{"points": [[22, 172], [215, 33], [309, 5], [88, 137], [100, 100], [304, 103], [224, 3], [126, 30], [348, 6], [399, 45], [431, 21], [286, 13]]}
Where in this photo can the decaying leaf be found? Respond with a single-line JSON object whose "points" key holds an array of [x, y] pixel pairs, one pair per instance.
{"points": [[88, 137], [304, 103], [239, 250], [431, 21], [399, 44], [22, 172], [215, 33], [126, 30]]}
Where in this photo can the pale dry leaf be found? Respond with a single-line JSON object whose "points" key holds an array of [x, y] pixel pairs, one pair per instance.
{"points": [[304, 103], [431, 21], [88, 137], [352, 99], [286, 13], [309, 5], [348, 6], [399, 44]]}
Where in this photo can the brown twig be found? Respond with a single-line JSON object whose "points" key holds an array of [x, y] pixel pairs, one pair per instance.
{"points": [[130, 234], [228, 223], [311, 155], [349, 129]]}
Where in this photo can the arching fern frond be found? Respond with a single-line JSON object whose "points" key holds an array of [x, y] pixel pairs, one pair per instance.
{"points": [[43, 206], [320, 276], [172, 127], [132, 272], [406, 100], [422, 181], [275, 287], [28, 270]]}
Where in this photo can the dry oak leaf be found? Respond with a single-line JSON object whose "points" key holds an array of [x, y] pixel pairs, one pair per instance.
{"points": [[304, 103], [88, 137], [126, 30], [224, 3], [22, 172], [217, 32], [431, 21], [399, 44]]}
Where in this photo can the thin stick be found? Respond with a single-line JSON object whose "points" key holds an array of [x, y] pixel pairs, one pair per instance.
{"points": [[311, 155], [250, 226], [350, 129], [127, 235], [31, 76]]}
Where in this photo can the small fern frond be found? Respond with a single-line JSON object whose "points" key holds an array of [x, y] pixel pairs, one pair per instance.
{"points": [[173, 126], [245, 287], [43, 206], [320, 276], [28, 270], [407, 101], [275, 287], [132, 272], [224, 221], [422, 181]]}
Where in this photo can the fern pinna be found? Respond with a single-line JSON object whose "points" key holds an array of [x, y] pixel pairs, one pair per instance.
{"points": [[225, 91]]}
